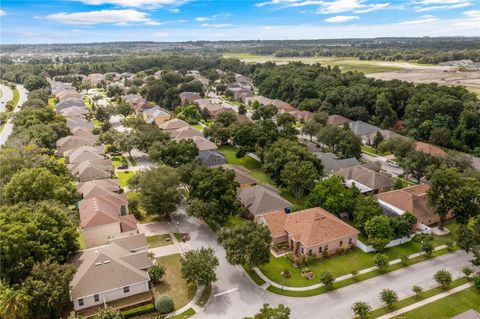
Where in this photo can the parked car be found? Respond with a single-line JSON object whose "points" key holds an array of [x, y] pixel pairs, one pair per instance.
{"points": [[123, 166], [393, 163]]}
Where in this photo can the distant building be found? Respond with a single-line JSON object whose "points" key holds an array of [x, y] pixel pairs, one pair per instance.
{"points": [[363, 130], [337, 120]]}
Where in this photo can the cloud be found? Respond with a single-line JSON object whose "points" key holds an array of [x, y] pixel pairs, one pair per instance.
{"points": [[430, 2], [202, 19], [472, 14], [421, 20], [174, 10], [433, 5], [216, 25], [373, 7], [328, 7], [135, 3], [2, 13], [119, 17], [341, 19]]}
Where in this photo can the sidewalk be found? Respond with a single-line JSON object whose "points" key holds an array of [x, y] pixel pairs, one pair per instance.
{"points": [[426, 301], [344, 277]]}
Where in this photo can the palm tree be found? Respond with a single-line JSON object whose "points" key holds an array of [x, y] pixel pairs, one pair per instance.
{"points": [[362, 309], [13, 303]]}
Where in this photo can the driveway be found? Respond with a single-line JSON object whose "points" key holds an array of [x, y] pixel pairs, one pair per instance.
{"points": [[151, 229], [236, 296]]}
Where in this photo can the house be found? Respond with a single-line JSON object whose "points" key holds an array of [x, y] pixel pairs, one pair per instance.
{"points": [[84, 153], [242, 94], [75, 111], [302, 116], [411, 199], [173, 124], [206, 104], [283, 107], [312, 231], [70, 142], [211, 158], [242, 175], [95, 78], [365, 179], [200, 78], [111, 272], [189, 97], [83, 132], [138, 102], [156, 114], [58, 87], [104, 218], [184, 132], [261, 100], [331, 162], [73, 122], [69, 103], [67, 94], [90, 188], [261, 199], [363, 130], [337, 120], [386, 134], [429, 149], [92, 169], [203, 144]]}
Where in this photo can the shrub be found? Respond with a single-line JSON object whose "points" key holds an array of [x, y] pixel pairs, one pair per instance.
{"points": [[381, 261], [443, 278], [156, 273], [311, 259], [137, 311], [361, 309], [388, 297], [403, 259], [290, 257], [476, 282], [427, 247], [286, 273], [467, 271], [164, 304], [418, 291], [450, 245], [327, 279], [325, 253]]}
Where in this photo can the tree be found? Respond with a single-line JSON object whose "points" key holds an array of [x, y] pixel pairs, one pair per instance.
{"points": [[398, 146], [427, 247], [37, 184], [381, 261], [156, 273], [379, 232], [362, 309], [327, 279], [468, 238], [145, 135], [366, 207], [299, 177], [48, 284], [173, 153], [242, 109], [199, 266], [417, 290], [311, 128], [341, 141], [13, 303], [190, 114], [267, 312], [159, 190], [377, 139], [246, 244], [107, 313], [32, 233], [388, 297], [33, 82], [443, 278]]}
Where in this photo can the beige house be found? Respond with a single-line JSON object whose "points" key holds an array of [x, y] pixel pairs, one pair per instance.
{"points": [[156, 114], [114, 271], [98, 186], [366, 179], [71, 142], [261, 199], [91, 169], [104, 218], [173, 124], [311, 231], [185, 132], [84, 153]]}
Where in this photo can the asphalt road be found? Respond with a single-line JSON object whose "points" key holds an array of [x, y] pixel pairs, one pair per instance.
{"points": [[7, 95], [235, 296], [7, 129]]}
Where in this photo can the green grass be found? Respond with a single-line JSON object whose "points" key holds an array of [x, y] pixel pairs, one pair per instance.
{"points": [[81, 241], [186, 314], [254, 276], [349, 281], [118, 160], [159, 240], [449, 306], [96, 123], [374, 151], [207, 291], [124, 177], [340, 265], [51, 103], [16, 97], [173, 284], [413, 299], [235, 221], [198, 127], [178, 237]]}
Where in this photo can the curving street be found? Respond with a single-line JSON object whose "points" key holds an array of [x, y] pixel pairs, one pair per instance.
{"points": [[7, 129], [236, 296]]}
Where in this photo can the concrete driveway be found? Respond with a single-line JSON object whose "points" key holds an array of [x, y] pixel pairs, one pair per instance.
{"points": [[151, 229], [236, 296]]}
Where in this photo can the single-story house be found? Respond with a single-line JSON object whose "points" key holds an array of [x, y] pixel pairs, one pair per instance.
{"points": [[75, 111], [58, 87], [83, 132], [337, 120], [211, 158], [312, 231], [138, 102], [84, 153], [261, 99], [173, 124], [331, 162], [111, 272], [411, 199], [387, 134], [261, 199], [206, 104], [93, 169], [184, 132], [71, 142], [429, 149], [203, 144], [95, 78], [67, 94], [189, 97], [156, 114], [90, 188], [242, 175], [302, 116], [104, 218], [363, 130], [73, 122], [365, 179], [283, 107], [69, 103]]}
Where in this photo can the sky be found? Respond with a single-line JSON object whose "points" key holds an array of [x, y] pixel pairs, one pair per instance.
{"points": [[75, 21]]}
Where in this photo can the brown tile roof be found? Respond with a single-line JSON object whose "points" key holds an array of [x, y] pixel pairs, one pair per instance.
{"points": [[412, 199], [203, 144], [310, 227], [261, 199], [281, 105], [429, 149], [337, 120], [110, 184], [173, 124], [97, 211]]}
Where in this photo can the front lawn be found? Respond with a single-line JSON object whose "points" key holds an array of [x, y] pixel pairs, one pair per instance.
{"points": [[449, 306], [173, 284], [159, 240], [234, 221], [118, 160], [124, 177]]}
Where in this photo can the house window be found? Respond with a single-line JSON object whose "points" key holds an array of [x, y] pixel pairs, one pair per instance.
{"points": [[309, 252], [96, 298], [301, 250], [325, 247], [126, 290], [80, 302], [320, 249], [341, 243], [350, 241]]}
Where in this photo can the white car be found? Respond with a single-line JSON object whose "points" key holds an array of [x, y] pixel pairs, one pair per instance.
{"points": [[393, 163]]}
